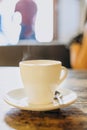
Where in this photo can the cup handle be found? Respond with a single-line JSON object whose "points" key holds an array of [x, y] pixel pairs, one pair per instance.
{"points": [[64, 75]]}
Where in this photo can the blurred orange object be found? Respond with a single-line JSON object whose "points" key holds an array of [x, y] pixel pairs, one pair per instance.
{"points": [[78, 53]]}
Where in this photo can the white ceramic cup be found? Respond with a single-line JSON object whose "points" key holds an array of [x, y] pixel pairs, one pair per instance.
{"points": [[41, 78]]}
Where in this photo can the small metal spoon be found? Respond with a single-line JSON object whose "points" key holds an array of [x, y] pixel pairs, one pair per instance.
{"points": [[58, 98]]}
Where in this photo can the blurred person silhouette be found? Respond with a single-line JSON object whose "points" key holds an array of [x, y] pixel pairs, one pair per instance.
{"points": [[9, 22], [78, 51], [28, 10]]}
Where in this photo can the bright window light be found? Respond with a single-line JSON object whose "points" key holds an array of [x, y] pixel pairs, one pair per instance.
{"points": [[44, 21]]}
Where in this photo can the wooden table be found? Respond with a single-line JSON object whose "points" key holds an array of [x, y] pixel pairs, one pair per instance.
{"points": [[73, 117]]}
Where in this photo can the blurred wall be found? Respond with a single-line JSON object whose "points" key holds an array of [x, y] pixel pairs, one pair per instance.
{"points": [[12, 55]]}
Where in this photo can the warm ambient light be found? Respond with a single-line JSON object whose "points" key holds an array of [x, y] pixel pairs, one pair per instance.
{"points": [[44, 21]]}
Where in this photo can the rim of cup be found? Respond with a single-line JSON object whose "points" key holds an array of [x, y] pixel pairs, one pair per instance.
{"points": [[40, 62]]}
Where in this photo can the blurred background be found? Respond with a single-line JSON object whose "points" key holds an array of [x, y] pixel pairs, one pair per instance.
{"points": [[52, 20], [44, 24]]}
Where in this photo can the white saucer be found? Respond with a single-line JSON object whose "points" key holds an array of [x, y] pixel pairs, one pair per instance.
{"points": [[18, 99]]}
